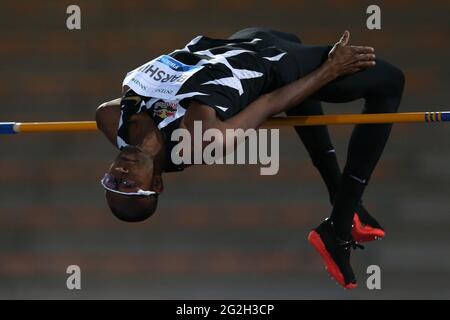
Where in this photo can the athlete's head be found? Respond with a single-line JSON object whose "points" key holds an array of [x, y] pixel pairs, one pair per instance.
{"points": [[132, 184]]}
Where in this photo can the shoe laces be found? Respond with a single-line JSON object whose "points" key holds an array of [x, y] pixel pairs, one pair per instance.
{"points": [[350, 244], [347, 245]]}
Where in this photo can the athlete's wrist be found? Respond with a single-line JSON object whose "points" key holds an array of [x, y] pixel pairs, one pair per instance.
{"points": [[329, 71]]}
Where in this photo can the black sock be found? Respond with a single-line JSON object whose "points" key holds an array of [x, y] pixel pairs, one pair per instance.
{"points": [[326, 163], [347, 199]]}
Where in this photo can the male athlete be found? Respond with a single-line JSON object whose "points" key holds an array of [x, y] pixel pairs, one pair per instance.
{"points": [[240, 82]]}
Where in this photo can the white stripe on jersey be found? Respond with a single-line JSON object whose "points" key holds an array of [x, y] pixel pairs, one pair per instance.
{"points": [[275, 58], [222, 108]]}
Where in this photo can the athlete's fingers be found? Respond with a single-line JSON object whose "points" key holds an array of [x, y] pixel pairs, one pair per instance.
{"points": [[366, 57], [361, 49], [364, 64], [345, 38]]}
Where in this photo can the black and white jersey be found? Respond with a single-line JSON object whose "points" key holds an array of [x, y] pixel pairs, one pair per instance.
{"points": [[226, 75]]}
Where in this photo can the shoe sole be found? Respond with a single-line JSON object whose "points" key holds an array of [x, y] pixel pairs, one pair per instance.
{"points": [[361, 233], [333, 270]]}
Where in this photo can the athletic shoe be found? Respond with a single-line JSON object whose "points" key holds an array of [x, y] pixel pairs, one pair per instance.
{"points": [[335, 253], [365, 227]]}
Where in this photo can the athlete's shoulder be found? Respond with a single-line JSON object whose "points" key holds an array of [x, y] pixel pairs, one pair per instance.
{"points": [[107, 118]]}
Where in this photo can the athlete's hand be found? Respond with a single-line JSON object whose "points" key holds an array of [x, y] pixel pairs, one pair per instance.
{"points": [[344, 59]]}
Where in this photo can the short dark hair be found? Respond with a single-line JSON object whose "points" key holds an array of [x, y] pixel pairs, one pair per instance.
{"points": [[132, 208]]}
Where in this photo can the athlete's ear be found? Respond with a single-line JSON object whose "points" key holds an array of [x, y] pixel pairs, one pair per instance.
{"points": [[345, 38], [157, 184]]}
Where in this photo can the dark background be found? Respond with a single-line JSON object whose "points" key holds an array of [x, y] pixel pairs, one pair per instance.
{"points": [[222, 231]]}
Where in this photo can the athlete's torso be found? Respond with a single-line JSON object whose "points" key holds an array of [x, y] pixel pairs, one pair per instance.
{"points": [[226, 75]]}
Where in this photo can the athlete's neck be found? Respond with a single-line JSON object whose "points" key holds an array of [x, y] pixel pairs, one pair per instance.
{"points": [[143, 132]]}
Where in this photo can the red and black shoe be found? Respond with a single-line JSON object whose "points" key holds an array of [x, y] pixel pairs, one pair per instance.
{"points": [[365, 227], [335, 253]]}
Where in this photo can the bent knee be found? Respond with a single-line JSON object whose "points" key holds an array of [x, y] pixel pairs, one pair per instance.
{"points": [[397, 79], [386, 94], [392, 80]]}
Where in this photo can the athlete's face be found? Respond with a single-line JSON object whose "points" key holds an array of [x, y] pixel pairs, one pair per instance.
{"points": [[129, 183], [132, 169]]}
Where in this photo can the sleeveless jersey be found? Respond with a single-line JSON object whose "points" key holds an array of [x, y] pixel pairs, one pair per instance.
{"points": [[226, 75]]}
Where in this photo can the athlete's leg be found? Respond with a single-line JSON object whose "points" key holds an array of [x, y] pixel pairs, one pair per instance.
{"points": [[321, 150], [381, 87], [319, 146], [316, 139]]}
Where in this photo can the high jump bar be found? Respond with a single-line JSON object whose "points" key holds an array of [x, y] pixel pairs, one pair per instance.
{"points": [[335, 119]]}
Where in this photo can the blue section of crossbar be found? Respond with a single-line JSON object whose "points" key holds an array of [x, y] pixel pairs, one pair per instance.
{"points": [[445, 116], [7, 127]]}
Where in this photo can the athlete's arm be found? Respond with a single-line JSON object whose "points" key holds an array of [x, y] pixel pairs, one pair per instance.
{"points": [[107, 117], [342, 60]]}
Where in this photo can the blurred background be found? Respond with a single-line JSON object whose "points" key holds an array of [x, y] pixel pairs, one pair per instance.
{"points": [[220, 231]]}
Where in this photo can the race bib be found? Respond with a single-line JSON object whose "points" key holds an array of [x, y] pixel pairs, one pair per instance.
{"points": [[160, 78]]}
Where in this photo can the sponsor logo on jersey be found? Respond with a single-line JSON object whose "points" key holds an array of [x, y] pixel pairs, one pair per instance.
{"points": [[164, 109], [175, 64]]}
